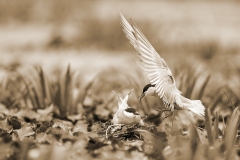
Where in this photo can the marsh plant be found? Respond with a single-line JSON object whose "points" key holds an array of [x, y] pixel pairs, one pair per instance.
{"points": [[78, 116]]}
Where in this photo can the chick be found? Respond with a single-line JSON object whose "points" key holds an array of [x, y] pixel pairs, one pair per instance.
{"points": [[125, 114]]}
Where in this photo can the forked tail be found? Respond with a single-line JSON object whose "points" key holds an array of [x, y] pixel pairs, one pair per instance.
{"points": [[197, 107]]}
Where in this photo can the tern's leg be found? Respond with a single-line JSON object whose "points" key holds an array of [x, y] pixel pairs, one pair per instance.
{"points": [[167, 115], [162, 110], [172, 120]]}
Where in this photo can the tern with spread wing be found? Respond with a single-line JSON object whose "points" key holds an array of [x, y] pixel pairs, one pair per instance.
{"points": [[162, 83]]}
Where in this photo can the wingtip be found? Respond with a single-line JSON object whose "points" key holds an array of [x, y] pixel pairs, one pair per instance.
{"points": [[117, 95], [130, 92], [131, 20], [120, 15], [133, 24]]}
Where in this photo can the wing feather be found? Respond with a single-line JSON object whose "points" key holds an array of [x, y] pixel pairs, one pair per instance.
{"points": [[155, 67]]}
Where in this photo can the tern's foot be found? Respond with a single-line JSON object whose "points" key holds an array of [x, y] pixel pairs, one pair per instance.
{"points": [[162, 110]]}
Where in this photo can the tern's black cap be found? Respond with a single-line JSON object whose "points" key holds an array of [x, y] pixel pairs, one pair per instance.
{"points": [[147, 86], [132, 110]]}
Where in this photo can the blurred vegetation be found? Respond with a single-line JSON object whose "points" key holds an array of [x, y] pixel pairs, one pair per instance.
{"points": [[50, 108]]}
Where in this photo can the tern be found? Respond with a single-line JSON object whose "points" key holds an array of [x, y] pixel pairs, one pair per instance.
{"points": [[162, 83]]}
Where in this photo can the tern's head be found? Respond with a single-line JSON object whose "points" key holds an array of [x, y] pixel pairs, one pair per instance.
{"points": [[148, 90], [130, 112]]}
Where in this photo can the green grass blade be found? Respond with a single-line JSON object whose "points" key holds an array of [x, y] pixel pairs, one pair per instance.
{"points": [[62, 91], [86, 88], [191, 85], [29, 92], [37, 90], [65, 92], [46, 87], [181, 80], [216, 99], [57, 99], [42, 83], [75, 93], [68, 88], [230, 137], [36, 98], [208, 124], [216, 129], [203, 87], [194, 133]]}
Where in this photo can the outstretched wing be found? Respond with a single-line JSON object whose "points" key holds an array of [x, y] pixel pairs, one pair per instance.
{"points": [[154, 66]]}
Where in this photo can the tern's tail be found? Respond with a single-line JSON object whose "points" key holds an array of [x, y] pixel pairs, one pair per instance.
{"points": [[196, 106]]}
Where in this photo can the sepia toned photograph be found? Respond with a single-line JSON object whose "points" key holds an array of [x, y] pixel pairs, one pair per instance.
{"points": [[119, 80]]}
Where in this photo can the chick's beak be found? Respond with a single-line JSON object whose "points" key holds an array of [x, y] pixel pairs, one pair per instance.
{"points": [[136, 113], [143, 95]]}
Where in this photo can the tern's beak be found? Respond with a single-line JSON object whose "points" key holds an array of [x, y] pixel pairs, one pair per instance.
{"points": [[143, 95]]}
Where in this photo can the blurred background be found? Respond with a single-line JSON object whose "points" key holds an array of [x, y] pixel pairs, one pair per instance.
{"points": [[56, 33], [202, 36]]}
